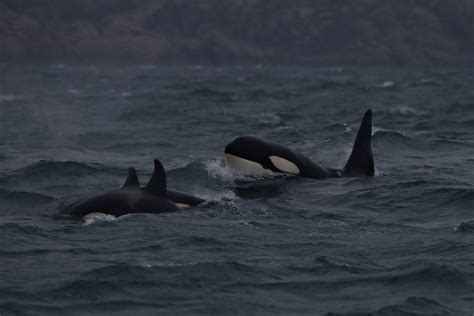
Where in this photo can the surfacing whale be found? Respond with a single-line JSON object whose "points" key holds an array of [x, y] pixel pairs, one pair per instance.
{"points": [[182, 200], [128, 199], [250, 155]]}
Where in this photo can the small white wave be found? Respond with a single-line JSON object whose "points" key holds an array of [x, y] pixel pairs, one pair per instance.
{"points": [[377, 172], [385, 85], [268, 118], [376, 129], [9, 98], [168, 264], [227, 197], [98, 217], [405, 110], [425, 81], [126, 94]]}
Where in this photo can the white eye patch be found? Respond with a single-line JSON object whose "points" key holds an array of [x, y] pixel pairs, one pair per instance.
{"points": [[245, 166], [284, 165]]}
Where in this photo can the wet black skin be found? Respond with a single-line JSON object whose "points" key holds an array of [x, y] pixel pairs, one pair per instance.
{"points": [[150, 199], [132, 182], [360, 163]]}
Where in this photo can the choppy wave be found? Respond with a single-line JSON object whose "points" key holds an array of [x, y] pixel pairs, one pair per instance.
{"points": [[406, 110], [399, 243], [414, 305], [46, 171], [466, 227], [28, 198], [9, 98], [386, 137], [46, 167], [386, 85], [212, 93]]}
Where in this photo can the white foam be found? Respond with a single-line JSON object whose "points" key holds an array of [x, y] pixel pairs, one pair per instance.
{"points": [[182, 205], [269, 118], [97, 217], [217, 170], [405, 110], [425, 81], [376, 129], [348, 129], [9, 97], [385, 85], [225, 196]]}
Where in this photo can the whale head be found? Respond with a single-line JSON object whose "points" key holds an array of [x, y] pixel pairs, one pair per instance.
{"points": [[247, 155]]}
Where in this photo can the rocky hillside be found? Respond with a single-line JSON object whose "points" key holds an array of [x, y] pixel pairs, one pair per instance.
{"points": [[219, 32]]}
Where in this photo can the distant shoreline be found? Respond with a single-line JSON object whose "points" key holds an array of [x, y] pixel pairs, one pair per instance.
{"points": [[299, 32], [194, 66]]}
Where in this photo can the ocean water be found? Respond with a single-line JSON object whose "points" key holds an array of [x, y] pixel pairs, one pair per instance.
{"points": [[401, 243]]}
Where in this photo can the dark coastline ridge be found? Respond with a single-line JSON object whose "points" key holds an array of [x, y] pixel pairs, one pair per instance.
{"points": [[282, 32]]}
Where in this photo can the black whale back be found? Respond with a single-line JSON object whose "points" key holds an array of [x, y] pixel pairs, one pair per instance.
{"points": [[132, 182], [130, 198], [360, 163], [260, 151], [132, 179]]}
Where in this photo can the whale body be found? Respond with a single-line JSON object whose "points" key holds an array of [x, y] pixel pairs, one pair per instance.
{"points": [[181, 199], [150, 199], [256, 157]]}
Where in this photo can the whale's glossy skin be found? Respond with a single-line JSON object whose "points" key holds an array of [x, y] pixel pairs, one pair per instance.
{"points": [[253, 156], [183, 200], [150, 199]]}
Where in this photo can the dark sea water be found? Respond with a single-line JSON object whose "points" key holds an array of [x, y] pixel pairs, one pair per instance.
{"points": [[401, 243]]}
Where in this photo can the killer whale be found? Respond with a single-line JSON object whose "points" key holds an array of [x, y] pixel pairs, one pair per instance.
{"points": [[182, 200], [253, 156], [152, 198]]}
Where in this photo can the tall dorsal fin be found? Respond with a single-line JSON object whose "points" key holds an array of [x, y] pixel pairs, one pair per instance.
{"points": [[132, 179], [361, 161], [157, 183]]}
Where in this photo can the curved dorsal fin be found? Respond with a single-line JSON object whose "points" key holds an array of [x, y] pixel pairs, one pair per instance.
{"points": [[132, 179], [157, 183], [361, 161]]}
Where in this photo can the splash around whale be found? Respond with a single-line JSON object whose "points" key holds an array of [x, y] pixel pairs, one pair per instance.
{"points": [[252, 156]]}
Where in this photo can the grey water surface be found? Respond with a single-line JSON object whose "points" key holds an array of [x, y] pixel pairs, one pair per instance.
{"points": [[400, 243]]}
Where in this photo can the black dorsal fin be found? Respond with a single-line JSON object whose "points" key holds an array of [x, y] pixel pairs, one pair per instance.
{"points": [[132, 179], [157, 183], [361, 161]]}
